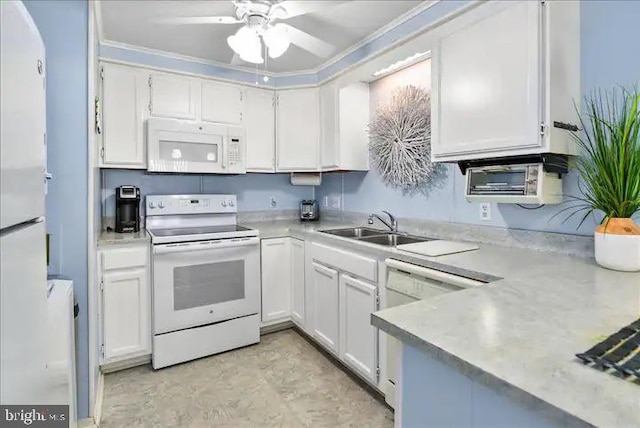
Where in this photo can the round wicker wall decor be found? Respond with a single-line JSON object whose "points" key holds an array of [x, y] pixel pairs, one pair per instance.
{"points": [[400, 140]]}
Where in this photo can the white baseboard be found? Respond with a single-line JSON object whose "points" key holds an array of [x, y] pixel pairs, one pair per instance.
{"points": [[97, 411], [86, 423]]}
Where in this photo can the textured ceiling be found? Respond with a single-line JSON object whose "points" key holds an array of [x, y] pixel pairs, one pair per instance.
{"points": [[340, 23]]}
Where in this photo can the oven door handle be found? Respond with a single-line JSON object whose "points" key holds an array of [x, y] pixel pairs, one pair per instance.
{"points": [[204, 245]]}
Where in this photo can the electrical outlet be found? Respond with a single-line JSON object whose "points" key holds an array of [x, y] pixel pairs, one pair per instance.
{"points": [[336, 202], [485, 211], [273, 202]]}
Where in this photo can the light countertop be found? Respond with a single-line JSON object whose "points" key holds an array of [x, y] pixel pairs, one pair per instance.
{"points": [[519, 333], [114, 238]]}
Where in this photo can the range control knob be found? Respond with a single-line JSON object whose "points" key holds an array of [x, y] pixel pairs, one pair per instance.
{"points": [[160, 204], [224, 203], [152, 204], [231, 203]]}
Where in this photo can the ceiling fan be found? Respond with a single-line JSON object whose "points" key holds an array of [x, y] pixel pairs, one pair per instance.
{"points": [[258, 17]]}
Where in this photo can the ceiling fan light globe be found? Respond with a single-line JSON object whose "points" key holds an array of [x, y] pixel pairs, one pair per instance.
{"points": [[276, 40], [246, 44]]}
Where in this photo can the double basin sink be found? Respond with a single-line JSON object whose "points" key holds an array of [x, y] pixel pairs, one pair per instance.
{"points": [[375, 236]]}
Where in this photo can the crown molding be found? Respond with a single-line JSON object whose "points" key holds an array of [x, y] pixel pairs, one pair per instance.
{"points": [[341, 55], [171, 55], [381, 31], [260, 85]]}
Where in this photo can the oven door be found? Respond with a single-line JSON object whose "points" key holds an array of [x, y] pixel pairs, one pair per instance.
{"points": [[200, 283]]}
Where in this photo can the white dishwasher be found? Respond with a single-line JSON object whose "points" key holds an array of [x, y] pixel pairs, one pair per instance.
{"points": [[407, 283]]}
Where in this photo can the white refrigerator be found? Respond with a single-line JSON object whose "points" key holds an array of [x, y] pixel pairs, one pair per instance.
{"points": [[24, 378]]}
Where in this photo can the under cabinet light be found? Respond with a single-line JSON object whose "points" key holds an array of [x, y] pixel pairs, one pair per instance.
{"points": [[417, 57]]}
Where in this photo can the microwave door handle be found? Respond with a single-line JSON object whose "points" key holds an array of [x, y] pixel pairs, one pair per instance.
{"points": [[224, 152]]}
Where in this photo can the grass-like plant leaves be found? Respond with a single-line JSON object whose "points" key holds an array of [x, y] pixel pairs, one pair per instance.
{"points": [[609, 163]]}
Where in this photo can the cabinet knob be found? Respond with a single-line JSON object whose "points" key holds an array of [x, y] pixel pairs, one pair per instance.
{"points": [[152, 205]]}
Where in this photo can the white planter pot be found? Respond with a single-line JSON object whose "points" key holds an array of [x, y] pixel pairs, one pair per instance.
{"points": [[618, 252]]}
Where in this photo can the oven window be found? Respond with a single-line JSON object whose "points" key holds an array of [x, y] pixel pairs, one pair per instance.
{"points": [[207, 284]]}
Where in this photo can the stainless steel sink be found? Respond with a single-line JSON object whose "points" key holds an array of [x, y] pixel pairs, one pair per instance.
{"points": [[376, 236], [355, 232], [391, 240]]}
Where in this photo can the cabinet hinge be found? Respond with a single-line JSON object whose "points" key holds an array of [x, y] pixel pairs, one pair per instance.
{"points": [[377, 374], [543, 129], [102, 156], [98, 122], [150, 82], [240, 95], [101, 73], [102, 279], [102, 350], [377, 299]]}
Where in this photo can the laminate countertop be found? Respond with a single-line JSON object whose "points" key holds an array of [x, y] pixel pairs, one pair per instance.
{"points": [[520, 332]]}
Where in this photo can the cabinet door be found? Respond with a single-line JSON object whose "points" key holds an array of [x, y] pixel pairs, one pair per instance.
{"points": [[326, 307], [358, 338], [353, 122], [259, 121], [298, 130], [276, 279], [125, 99], [329, 151], [174, 96], [297, 278], [126, 304], [486, 87], [222, 103]]}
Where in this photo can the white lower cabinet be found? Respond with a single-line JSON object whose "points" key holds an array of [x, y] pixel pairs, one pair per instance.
{"points": [[276, 280], [297, 282], [125, 303], [326, 306], [358, 338]]}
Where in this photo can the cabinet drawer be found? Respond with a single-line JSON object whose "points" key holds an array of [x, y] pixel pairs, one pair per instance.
{"points": [[364, 267], [123, 258]]}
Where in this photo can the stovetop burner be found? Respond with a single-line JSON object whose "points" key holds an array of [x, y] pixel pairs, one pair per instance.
{"points": [[618, 353]]}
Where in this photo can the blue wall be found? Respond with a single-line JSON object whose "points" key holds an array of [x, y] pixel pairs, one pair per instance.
{"points": [[253, 190], [63, 26], [609, 56]]}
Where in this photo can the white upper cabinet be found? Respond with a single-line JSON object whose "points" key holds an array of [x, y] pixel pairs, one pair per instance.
{"points": [[125, 100], [344, 116], [502, 78], [329, 148], [174, 96], [276, 280], [259, 122], [298, 130], [222, 103]]}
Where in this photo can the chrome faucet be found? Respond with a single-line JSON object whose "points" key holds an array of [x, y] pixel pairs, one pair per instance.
{"points": [[392, 224]]}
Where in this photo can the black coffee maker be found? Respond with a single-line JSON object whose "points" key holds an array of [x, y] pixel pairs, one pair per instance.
{"points": [[127, 209]]}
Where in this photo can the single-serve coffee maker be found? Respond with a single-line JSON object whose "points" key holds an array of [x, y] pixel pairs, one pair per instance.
{"points": [[127, 209]]}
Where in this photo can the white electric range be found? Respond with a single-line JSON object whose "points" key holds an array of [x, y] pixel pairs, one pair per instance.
{"points": [[205, 277]]}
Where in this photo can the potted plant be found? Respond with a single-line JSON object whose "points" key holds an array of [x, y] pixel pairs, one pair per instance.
{"points": [[609, 170]]}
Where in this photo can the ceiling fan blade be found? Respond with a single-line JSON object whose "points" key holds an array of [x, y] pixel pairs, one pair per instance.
{"points": [[308, 42], [291, 8], [198, 20]]}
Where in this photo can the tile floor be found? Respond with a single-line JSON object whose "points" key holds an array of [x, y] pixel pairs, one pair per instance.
{"points": [[282, 382]]}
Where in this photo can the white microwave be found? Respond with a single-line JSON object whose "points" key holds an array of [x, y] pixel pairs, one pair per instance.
{"points": [[182, 146]]}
